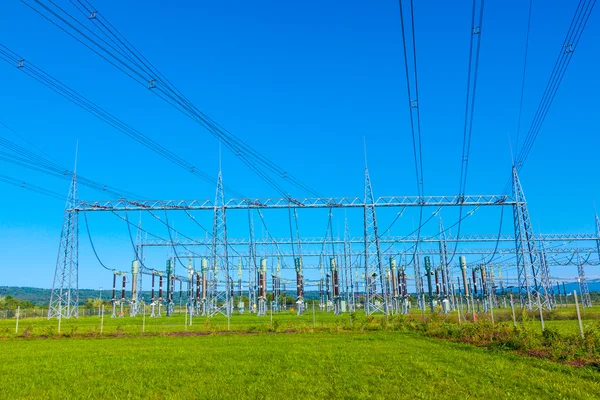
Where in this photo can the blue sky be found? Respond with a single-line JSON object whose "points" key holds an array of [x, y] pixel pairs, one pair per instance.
{"points": [[305, 83]]}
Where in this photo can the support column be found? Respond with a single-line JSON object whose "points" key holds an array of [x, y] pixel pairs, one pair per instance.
{"points": [[221, 301], [530, 282], [374, 300], [64, 300]]}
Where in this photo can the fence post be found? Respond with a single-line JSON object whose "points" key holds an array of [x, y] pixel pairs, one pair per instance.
{"points": [[102, 320], [492, 309], [541, 313], [512, 307], [578, 314], [18, 313]]}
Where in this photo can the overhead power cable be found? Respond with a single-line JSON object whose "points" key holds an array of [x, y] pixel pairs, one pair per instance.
{"points": [[31, 187], [473, 69], [25, 158], [108, 43], [57, 86], [412, 91], [572, 38]]}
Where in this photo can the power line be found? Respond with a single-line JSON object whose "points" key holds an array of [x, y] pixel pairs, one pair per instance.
{"points": [[59, 87], [121, 54], [576, 29]]}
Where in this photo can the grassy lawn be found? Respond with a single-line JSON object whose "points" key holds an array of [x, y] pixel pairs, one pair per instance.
{"points": [[280, 366]]}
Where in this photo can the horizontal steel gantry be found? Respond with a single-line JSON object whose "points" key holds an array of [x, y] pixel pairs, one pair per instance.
{"points": [[325, 202], [553, 237]]}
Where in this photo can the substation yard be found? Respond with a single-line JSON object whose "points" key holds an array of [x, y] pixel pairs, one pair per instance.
{"points": [[320, 356]]}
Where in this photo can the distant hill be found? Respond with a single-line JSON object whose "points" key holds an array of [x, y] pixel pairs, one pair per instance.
{"points": [[41, 297]]}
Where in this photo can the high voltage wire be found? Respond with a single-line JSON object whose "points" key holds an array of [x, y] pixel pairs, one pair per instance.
{"points": [[524, 73], [473, 69], [413, 104], [576, 29], [31, 187], [21, 156], [113, 47], [57, 86]]}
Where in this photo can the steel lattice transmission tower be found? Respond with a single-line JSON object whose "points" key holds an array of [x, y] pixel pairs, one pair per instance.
{"points": [[545, 274], [444, 265], [598, 235], [374, 270], [220, 301], [526, 252], [586, 301], [64, 300]]}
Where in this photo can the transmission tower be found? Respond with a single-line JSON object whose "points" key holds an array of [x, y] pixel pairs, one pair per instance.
{"points": [[598, 235], [586, 301], [545, 275], [526, 252], [373, 267], [444, 265], [64, 300], [220, 301]]}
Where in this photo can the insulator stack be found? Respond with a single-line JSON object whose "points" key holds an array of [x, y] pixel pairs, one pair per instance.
{"points": [[463, 266], [445, 284], [135, 269], [428, 272], [262, 278], [153, 275], [327, 286], [336, 287], [180, 289], [160, 283], [437, 282], [114, 291], [204, 264], [483, 281], [299, 285], [394, 281], [123, 289], [474, 282], [198, 286]]}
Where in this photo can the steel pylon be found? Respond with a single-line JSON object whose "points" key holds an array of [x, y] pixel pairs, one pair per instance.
{"points": [[598, 235], [545, 275], [530, 280], [374, 271], [64, 300], [584, 292], [446, 292], [220, 300]]}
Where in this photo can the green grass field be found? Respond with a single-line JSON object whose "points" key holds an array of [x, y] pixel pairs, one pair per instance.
{"points": [[280, 366], [562, 319]]}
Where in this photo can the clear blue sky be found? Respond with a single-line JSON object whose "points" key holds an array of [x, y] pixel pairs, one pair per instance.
{"points": [[303, 82]]}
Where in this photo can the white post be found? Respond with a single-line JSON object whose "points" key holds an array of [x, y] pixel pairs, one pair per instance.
{"points": [[271, 315], [144, 317], [512, 306], [541, 313], [102, 320], [314, 320], [18, 312], [578, 314], [492, 309], [59, 315], [186, 316]]}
